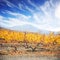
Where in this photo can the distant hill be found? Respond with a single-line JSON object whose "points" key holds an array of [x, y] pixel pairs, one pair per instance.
{"points": [[29, 28]]}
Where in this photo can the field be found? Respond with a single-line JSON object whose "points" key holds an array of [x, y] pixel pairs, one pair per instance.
{"points": [[28, 45]]}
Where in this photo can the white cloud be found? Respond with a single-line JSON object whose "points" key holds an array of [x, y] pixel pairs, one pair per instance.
{"points": [[45, 20], [1, 18], [9, 3], [19, 16], [15, 22], [57, 11], [11, 22], [14, 6], [34, 5], [51, 2], [29, 9], [20, 6], [46, 8]]}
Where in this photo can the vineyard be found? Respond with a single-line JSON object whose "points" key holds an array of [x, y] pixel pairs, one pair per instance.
{"points": [[14, 41]]}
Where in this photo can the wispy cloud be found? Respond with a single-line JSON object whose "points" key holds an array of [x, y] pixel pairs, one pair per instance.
{"points": [[47, 16], [9, 3], [34, 5]]}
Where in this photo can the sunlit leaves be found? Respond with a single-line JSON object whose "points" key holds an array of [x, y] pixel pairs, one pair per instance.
{"points": [[14, 36]]}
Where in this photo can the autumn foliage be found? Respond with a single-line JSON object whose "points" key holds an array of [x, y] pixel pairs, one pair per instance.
{"points": [[15, 36]]}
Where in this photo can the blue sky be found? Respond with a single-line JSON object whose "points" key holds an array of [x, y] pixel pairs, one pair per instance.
{"points": [[30, 15]]}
